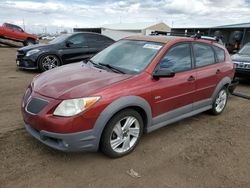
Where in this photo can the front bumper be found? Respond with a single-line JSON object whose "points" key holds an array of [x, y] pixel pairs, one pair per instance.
{"points": [[76, 133], [26, 64], [70, 142], [242, 72]]}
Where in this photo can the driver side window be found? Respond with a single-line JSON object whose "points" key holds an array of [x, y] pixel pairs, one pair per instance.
{"points": [[177, 59]]}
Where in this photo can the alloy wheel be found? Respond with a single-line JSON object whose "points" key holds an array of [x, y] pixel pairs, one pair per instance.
{"points": [[221, 100], [50, 62], [125, 134]]}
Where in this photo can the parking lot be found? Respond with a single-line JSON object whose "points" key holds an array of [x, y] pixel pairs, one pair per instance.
{"points": [[202, 151]]}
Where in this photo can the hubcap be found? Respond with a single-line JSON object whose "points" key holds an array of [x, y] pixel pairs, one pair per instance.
{"points": [[50, 62], [221, 101], [125, 134]]}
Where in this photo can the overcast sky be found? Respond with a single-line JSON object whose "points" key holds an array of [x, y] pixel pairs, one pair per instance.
{"points": [[55, 15]]}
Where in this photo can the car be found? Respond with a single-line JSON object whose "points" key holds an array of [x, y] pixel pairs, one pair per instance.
{"points": [[242, 61], [16, 33], [135, 86], [65, 49]]}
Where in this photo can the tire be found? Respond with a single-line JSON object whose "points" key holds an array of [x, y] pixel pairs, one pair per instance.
{"points": [[29, 41], [117, 142], [48, 61], [219, 102]]}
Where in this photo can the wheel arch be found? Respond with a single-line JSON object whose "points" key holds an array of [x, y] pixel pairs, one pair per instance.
{"points": [[129, 102], [225, 82]]}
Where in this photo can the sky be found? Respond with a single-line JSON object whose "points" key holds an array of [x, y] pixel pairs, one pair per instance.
{"points": [[54, 16]]}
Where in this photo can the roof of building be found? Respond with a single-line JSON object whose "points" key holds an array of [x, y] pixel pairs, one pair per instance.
{"points": [[240, 25], [131, 26]]}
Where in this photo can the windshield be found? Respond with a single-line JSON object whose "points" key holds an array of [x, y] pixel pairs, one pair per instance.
{"points": [[60, 39], [130, 57], [245, 50]]}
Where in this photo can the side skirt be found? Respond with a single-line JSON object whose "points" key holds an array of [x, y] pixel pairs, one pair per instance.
{"points": [[156, 124]]}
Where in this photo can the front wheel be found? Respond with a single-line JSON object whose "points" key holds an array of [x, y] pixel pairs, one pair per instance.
{"points": [[48, 62], [220, 102], [122, 133]]}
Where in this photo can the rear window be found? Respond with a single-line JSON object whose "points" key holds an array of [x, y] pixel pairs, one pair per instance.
{"points": [[220, 54], [204, 55]]}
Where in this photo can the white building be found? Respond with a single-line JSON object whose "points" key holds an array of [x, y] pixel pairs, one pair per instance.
{"points": [[121, 30]]}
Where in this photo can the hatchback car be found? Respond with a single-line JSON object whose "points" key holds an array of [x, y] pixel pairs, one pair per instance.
{"points": [[135, 86], [242, 61], [65, 49]]}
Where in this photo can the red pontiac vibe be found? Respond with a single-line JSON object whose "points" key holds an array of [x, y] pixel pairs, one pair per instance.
{"points": [[136, 85]]}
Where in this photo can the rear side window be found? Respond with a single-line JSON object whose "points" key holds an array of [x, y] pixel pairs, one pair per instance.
{"points": [[177, 59], [99, 40], [220, 54], [204, 55]]}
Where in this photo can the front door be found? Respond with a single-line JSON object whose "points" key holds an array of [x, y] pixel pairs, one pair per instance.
{"points": [[175, 95], [75, 49]]}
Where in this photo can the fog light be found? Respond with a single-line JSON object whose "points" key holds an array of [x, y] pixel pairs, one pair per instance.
{"points": [[65, 144]]}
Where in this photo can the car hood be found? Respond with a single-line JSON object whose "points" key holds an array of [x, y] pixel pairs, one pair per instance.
{"points": [[36, 46], [74, 81], [241, 57]]}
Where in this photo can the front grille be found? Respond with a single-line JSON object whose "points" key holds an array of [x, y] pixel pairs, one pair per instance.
{"points": [[36, 105], [243, 65], [20, 54]]}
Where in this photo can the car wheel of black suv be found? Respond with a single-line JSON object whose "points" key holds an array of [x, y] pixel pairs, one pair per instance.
{"points": [[48, 62], [220, 102], [122, 133]]}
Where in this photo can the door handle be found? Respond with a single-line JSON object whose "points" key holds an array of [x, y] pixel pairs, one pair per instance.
{"points": [[218, 71], [191, 78]]}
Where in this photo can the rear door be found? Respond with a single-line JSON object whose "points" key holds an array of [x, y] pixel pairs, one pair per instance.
{"points": [[75, 49], [206, 74], [176, 93]]}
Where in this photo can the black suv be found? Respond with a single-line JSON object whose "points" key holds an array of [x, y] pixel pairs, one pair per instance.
{"points": [[242, 61], [67, 48]]}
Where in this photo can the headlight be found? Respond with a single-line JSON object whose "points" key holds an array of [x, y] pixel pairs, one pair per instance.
{"points": [[72, 107], [29, 53]]}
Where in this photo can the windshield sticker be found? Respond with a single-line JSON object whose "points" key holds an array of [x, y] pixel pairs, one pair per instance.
{"points": [[152, 46]]}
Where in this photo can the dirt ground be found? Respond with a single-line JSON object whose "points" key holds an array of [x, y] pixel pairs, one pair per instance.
{"points": [[202, 151]]}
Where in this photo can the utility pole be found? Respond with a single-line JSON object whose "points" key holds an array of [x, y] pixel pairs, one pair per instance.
{"points": [[23, 25]]}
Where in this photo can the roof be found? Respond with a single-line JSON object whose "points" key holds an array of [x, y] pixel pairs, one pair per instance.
{"points": [[131, 26], [240, 25], [166, 39], [160, 39]]}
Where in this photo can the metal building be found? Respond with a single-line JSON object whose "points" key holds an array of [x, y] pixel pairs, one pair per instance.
{"points": [[234, 36], [121, 30]]}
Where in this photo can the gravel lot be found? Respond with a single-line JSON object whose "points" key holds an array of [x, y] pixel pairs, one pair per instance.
{"points": [[202, 151]]}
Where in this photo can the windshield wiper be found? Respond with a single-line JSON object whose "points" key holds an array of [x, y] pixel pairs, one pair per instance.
{"points": [[113, 68], [95, 64]]}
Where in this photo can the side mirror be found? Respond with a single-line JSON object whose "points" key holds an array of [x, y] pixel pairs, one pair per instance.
{"points": [[69, 44], [163, 73]]}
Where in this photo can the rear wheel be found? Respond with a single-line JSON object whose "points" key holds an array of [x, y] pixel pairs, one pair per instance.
{"points": [[48, 62], [122, 133], [220, 102]]}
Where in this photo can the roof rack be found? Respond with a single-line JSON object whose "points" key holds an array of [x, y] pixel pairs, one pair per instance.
{"points": [[190, 34]]}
